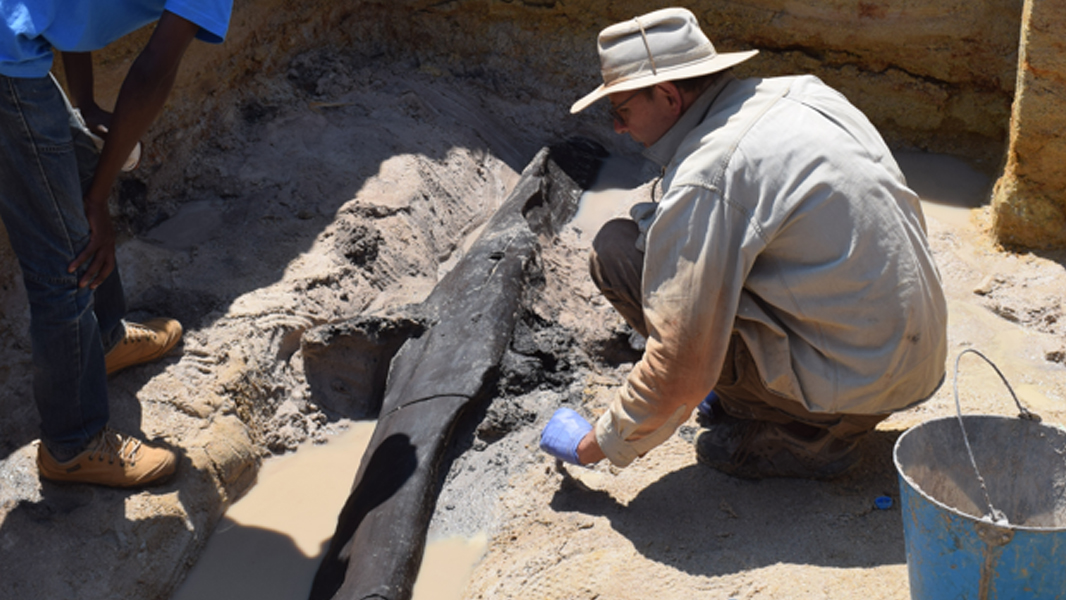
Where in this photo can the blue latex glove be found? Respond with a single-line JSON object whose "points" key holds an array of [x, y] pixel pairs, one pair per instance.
{"points": [[562, 434]]}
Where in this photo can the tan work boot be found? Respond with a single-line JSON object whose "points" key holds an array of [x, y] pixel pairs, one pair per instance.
{"points": [[113, 459], [144, 342]]}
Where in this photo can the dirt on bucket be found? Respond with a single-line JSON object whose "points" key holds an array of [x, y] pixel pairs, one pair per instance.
{"points": [[991, 524]]}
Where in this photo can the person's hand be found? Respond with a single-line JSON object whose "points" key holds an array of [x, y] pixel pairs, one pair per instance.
{"points": [[97, 120], [563, 433], [100, 253]]}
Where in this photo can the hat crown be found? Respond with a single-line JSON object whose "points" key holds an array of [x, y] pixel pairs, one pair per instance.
{"points": [[650, 44], [665, 45]]}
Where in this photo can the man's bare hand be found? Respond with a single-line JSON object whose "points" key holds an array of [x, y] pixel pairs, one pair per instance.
{"points": [[100, 253], [97, 120], [141, 97]]}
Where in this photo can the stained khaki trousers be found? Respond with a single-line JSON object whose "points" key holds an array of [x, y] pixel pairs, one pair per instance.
{"points": [[616, 266]]}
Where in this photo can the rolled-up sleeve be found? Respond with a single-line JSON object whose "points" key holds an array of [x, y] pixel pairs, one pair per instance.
{"points": [[692, 286]]}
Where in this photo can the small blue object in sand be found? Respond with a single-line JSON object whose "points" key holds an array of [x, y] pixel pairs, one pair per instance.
{"points": [[883, 502]]}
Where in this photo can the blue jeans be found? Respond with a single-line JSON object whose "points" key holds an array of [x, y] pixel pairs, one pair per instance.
{"points": [[44, 168]]}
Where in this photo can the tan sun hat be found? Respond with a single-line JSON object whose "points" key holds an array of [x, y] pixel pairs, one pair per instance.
{"points": [[665, 45]]}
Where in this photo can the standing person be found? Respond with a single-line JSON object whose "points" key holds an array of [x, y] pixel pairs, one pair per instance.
{"points": [[783, 280], [54, 190]]}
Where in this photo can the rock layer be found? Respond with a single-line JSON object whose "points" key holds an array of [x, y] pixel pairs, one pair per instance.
{"points": [[1029, 205], [934, 75]]}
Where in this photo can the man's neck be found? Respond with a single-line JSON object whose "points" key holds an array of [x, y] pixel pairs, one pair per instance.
{"points": [[663, 150]]}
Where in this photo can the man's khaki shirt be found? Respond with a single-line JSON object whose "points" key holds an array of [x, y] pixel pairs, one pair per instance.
{"points": [[784, 218]]}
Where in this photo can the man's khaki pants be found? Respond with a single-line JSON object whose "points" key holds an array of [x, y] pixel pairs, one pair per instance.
{"points": [[617, 267]]}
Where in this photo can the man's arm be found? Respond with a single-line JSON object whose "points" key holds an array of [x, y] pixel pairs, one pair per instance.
{"points": [[693, 280], [588, 449], [141, 98], [78, 67]]}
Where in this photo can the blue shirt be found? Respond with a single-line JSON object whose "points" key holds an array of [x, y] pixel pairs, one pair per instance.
{"points": [[30, 29]]}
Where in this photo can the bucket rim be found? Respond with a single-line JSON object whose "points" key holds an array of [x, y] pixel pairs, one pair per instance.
{"points": [[984, 521]]}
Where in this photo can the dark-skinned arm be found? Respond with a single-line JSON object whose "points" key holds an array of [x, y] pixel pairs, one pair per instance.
{"points": [[78, 67], [141, 98]]}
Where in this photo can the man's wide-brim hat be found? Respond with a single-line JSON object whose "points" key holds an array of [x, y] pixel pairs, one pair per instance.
{"points": [[665, 45]]}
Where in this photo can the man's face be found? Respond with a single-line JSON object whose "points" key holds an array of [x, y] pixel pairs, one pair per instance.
{"points": [[645, 115]]}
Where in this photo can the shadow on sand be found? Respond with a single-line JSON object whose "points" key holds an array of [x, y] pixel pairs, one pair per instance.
{"points": [[705, 523]]}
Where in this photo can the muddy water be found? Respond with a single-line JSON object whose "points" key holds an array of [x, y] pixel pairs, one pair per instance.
{"points": [[447, 566], [271, 541], [617, 187], [949, 188]]}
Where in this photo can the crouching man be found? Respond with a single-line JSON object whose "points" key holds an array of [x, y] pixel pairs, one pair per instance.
{"points": [[783, 279]]}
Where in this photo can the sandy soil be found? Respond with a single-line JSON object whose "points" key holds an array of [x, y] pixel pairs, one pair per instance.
{"points": [[666, 527], [348, 189]]}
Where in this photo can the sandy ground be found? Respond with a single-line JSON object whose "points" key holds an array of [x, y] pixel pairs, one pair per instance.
{"points": [[667, 527], [341, 189], [348, 189]]}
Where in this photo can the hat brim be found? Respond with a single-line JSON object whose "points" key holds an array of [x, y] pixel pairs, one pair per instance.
{"points": [[719, 62]]}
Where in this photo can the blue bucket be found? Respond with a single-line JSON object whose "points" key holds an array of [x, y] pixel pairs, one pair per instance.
{"points": [[984, 507]]}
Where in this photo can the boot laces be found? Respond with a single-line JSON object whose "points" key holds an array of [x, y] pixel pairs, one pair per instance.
{"points": [[111, 445], [135, 333]]}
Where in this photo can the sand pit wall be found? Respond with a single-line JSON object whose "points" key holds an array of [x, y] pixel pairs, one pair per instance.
{"points": [[936, 75], [933, 75], [1029, 206]]}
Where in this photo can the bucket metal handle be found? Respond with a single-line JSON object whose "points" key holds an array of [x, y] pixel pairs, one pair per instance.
{"points": [[1023, 413]]}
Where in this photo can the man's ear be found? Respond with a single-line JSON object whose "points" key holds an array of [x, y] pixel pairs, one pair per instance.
{"points": [[672, 94]]}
